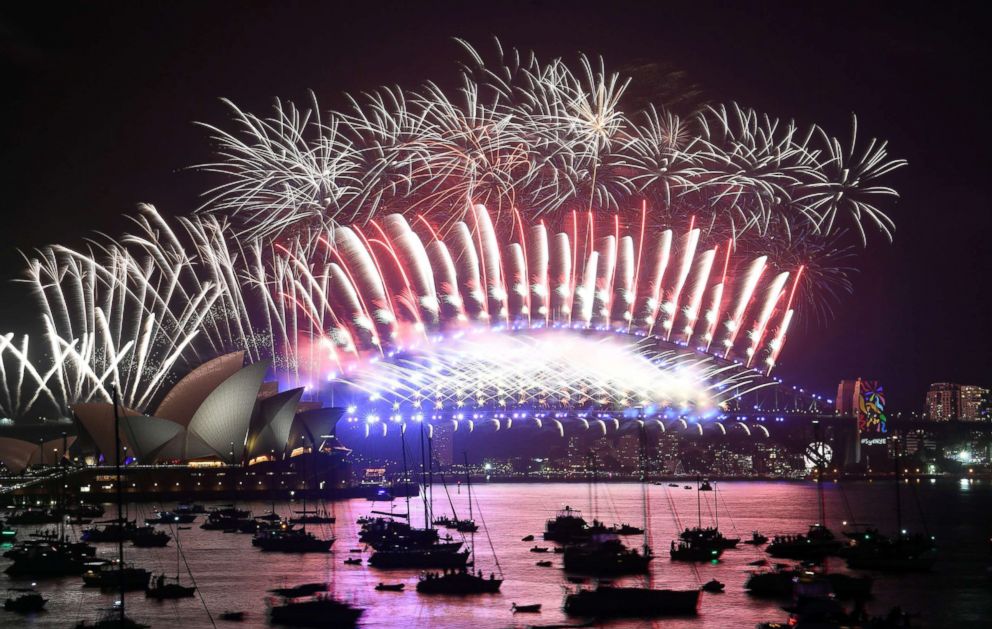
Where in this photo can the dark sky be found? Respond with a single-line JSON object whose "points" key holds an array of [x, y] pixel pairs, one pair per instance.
{"points": [[98, 101]]}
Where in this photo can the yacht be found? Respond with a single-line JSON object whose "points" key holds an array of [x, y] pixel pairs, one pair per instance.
{"points": [[612, 602], [605, 557], [459, 581]]}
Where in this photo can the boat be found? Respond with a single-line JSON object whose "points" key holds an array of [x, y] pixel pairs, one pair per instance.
{"points": [[627, 529], [539, 549], [32, 516], [163, 588], [390, 587], [171, 517], [86, 510], [817, 543], [444, 521], [149, 537], [567, 526], [904, 553], [527, 538], [27, 601], [381, 494], [466, 526], [113, 618], [606, 557], [7, 534], [419, 558], [691, 551], [757, 539], [614, 602], [781, 583], [291, 541], [543, 564], [117, 575], [111, 532], [225, 518], [232, 616], [458, 582], [46, 559], [381, 532], [300, 591], [312, 517], [114, 576], [318, 611], [709, 537], [352, 561], [526, 609], [558, 550], [187, 508], [713, 586], [671, 485], [687, 487]]}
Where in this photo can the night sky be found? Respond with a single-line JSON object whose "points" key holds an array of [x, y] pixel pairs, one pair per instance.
{"points": [[98, 104]]}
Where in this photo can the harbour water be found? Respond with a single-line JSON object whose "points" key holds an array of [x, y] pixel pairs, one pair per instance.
{"points": [[233, 575]]}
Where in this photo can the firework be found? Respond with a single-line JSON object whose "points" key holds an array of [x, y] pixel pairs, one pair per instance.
{"points": [[545, 139], [490, 240]]}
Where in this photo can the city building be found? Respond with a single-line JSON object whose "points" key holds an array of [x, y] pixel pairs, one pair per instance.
{"points": [[970, 402], [948, 401], [443, 444], [846, 402]]}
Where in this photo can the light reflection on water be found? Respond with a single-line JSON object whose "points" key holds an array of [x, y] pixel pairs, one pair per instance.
{"points": [[231, 574]]}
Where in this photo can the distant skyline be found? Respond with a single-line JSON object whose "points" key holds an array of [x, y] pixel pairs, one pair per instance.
{"points": [[101, 104]]}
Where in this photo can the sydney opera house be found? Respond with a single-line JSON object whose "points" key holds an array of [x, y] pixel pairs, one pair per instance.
{"points": [[221, 412]]}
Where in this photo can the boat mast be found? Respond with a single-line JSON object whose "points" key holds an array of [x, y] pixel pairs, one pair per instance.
{"points": [[120, 504], [895, 443], [699, 504], [468, 482], [430, 472], [406, 483], [716, 505], [423, 477], [471, 516], [644, 485], [306, 483], [819, 480]]}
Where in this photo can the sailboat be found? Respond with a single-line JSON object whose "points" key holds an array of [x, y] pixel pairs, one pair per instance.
{"points": [[163, 589], [819, 541], [398, 544], [461, 580], [606, 601], [52, 555], [284, 538], [596, 549], [903, 552], [708, 537], [116, 618]]}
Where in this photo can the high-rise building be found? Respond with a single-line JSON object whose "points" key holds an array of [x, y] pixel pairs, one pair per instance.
{"points": [[949, 401], [970, 402], [865, 400], [443, 444], [942, 401], [628, 452], [846, 400]]}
